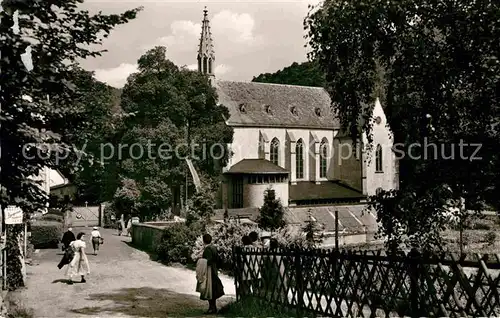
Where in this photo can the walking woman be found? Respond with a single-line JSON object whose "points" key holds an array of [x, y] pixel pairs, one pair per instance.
{"points": [[209, 284], [96, 239], [79, 265]]}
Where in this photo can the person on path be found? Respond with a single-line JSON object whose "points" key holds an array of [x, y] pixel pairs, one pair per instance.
{"points": [[79, 265], [274, 275], [96, 239], [257, 281], [209, 284], [248, 268], [67, 238]]}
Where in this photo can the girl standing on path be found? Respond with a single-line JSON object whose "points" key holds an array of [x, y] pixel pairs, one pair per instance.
{"points": [[96, 239], [80, 264]]}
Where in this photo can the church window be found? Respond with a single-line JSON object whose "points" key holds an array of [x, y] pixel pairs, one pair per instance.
{"points": [[293, 110], [299, 159], [237, 193], [323, 158], [275, 148], [378, 159], [242, 108], [318, 111]]}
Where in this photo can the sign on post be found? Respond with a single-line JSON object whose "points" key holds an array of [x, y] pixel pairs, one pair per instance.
{"points": [[13, 215]]}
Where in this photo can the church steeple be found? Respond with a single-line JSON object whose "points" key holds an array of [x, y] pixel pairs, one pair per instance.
{"points": [[206, 54]]}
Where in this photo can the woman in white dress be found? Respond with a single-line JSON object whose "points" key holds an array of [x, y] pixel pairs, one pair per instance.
{"points": [[79, 265]]}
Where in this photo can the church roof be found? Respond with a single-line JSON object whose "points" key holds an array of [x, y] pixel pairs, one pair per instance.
{"points": [[256, 166], [275, 105], [306, 190]]}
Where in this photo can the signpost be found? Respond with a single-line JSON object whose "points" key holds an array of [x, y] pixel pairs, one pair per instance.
{"points": [[13, 215]]}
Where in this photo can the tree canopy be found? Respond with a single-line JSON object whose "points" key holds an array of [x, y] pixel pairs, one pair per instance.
{"points": [[42, 43], [303, 74], [272, 213], [175, 116], [442, 75]]}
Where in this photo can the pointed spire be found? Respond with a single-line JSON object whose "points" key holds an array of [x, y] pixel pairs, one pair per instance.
{"points": [[206, 54]]}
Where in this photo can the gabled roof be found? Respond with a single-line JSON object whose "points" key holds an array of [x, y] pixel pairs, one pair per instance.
{"points": [[273, 105], [306, 190], [256, 166]]}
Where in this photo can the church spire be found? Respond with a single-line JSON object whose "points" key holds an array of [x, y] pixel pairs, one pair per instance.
{"points": [[206, 54]]}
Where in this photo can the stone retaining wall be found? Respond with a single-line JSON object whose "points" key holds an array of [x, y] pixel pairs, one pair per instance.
{"points": [[147, 236]]}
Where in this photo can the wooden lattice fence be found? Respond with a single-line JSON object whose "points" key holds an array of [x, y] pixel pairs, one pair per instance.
{"points": [[370, 283]]}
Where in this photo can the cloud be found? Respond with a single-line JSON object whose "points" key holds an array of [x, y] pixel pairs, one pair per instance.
{"points": [[235, 27], [222, 69], [116, 77]]}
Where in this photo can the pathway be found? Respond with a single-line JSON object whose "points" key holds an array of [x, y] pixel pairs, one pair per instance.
{"points": [[123, 282]]}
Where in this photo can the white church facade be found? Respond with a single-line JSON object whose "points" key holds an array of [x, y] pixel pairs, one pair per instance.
{"points": [[287, 138]]}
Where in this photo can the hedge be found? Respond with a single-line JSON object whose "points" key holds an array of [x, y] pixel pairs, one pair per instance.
{"points": [[46, 234]]}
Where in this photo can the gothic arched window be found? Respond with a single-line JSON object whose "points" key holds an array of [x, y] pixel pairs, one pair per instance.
{"points": [[378, 159], [275, 149], [299, 159], [323, 165]]}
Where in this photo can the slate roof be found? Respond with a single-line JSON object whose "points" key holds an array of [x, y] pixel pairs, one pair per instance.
{"points": [[306, 190], [352, 218], [280, 98], [256, 166]]}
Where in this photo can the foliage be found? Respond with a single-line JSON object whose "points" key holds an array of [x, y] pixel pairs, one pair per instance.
{"points": [[46, 234], [109, 213], [176, 243], [53, 217], [313, 232], [202, 206], [303, 74], [272, 212], [224, 236], [291, 237], [126, 197], [172, 107], [58, 35], [14, 274], [442, 71], [490, 238], [251, 307]]}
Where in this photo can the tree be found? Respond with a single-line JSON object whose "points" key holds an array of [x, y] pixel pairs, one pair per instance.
{"points": [[272, 213], [313, 230], [38, 109], [303, 74], [174, 109], [442, 73]]}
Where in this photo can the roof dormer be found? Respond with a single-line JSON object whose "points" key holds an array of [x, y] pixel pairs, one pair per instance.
{"points": [[317, 111], [293, 110], [267, 109], [242, 108]]}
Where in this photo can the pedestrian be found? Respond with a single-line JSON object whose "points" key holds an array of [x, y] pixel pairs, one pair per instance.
{"points": [[96, 239], [274, 275], [67, 238], [79, 265], [257, 281], [209, 284]]}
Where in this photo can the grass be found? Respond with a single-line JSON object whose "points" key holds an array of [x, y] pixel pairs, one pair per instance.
{"points": [[252, 307], [16, 309]]}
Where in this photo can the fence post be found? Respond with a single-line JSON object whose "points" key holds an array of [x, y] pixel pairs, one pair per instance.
{"points": [[337, 230], [299, 285], [414, 258]]}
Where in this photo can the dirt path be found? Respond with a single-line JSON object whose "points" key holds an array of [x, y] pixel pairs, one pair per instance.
{"points": [[123, 282]]}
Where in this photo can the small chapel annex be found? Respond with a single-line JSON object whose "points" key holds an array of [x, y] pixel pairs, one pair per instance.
{"points": [[286, 138]]}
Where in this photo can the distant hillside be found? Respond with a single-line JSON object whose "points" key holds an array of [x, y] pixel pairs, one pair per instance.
{"points": [[303, 74], [310, 74]]}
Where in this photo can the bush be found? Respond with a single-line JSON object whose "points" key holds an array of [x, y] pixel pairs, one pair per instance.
{"points": [[490, 238], [176, 244], [53, 217], [224, 236], [46, 234], [109, 211]]}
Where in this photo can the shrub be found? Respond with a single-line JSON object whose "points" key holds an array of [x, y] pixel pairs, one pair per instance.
{"points": [[46, 234], [109, 211], [490, 238], [481, 226], [224, 236], [291, 236], [176, 243], [53, 217]]}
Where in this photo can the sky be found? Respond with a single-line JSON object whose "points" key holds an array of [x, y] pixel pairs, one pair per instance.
{"points": [[250, 37]]}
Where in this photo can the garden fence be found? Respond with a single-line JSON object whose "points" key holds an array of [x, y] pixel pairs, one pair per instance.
{"points": [[370, 283]]}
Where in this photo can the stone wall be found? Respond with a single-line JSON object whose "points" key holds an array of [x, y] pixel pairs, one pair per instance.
{"points": [[147, 236]]}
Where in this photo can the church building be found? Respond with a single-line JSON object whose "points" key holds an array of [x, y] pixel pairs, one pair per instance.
{"points": [[286, 138]]}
